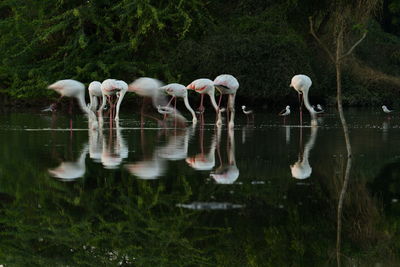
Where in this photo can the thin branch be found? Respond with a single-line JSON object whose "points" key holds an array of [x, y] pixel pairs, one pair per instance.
{"points": [[354, 46], [318, 40]]}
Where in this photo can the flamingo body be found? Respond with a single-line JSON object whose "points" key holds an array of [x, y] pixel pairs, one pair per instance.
{"points": [[179, 90], [94, 92], [302, 83], [226, 84], [68, 88], [145, 86], [72, 88]]}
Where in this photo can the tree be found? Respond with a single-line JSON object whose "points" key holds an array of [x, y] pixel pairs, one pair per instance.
{"points": [[349, 18]]}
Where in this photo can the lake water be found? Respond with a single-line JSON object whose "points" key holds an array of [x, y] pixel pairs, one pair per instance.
{"points": [[262, 194]]}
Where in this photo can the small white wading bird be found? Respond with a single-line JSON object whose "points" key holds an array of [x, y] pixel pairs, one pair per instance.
{"points": [[248, 113], [285, 112], [319, 109], [386, 110]]}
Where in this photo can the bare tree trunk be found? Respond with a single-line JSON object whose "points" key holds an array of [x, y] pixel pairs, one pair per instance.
{"points": [[338, 61]]}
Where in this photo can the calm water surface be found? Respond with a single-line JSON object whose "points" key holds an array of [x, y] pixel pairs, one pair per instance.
{"points": [[263, 194]]}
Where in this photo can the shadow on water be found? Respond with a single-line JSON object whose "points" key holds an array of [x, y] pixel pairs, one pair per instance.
{"points": [[198, 195]]}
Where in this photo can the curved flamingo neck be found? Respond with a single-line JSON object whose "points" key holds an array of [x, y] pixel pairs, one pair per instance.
{"points": [[212, 98], [310, 108], [82, 104], [186, 101]]}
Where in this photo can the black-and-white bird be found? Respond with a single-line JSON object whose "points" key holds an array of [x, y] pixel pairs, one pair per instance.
{"points": [[386, 110], [319, 109], [285, 112], [248, 113]]}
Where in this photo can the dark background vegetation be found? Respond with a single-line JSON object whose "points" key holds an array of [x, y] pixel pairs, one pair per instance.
{"points": [[262, 43]]}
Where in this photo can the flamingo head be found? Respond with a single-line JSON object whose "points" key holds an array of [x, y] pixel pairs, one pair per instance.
{"points": [[287, 107], [243, 107]]}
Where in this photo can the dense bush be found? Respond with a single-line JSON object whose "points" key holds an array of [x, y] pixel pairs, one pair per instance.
{"points": [[262, 43]]}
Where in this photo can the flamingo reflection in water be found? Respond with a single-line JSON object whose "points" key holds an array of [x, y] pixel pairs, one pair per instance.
{"points": [[151, 167], [301, 169], [95, 144], [69, 171], [176, 147], [227, 173], [205, 161], [114, 150]]}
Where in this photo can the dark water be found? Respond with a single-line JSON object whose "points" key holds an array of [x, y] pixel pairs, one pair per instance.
{"points": [[260, 195]]}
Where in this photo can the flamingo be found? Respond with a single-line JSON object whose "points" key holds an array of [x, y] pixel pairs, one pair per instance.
{"points": [[226, 84], [248, 113], [178, 90], [72, 88], [112, 87], [94, 93], [205, 86], [386, 110], [302, 83], [148, 88]]}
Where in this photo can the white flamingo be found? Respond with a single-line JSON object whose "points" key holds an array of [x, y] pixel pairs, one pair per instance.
{"points": [[178, 90], [75, 89], [109, 88], [205, 86], [302, 83], [94, 94], [226, 84]]}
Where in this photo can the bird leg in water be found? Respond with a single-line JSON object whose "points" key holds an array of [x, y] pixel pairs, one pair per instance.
{"points": [[301, 108]]}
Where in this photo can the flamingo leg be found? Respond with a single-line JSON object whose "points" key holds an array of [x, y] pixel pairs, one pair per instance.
{"points": [[172, 98], [201, 107], [219, 101], [301, 109], [175, 114]]}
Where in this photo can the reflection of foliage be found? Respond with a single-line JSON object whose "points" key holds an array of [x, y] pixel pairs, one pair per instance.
{"points": [[109, 217]]}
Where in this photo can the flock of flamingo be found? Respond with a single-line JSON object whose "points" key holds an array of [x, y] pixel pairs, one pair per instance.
{"points": [[112, 91], [111, 151]]}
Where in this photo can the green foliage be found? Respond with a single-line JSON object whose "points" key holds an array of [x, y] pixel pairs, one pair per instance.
{"points": [[45, 41], [262, 43]]}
